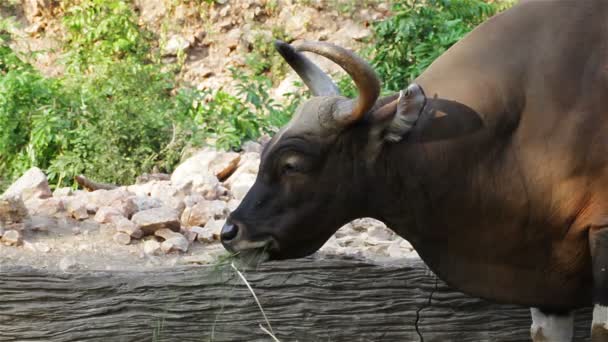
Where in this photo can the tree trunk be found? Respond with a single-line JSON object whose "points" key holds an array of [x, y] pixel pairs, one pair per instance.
{"points": [[304, 300]]}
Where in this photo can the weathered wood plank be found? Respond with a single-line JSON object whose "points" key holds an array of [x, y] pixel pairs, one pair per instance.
{"points": [[305, 300]]}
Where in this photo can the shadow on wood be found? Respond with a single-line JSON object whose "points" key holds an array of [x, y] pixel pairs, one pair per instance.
{"points": [[305, 300]]}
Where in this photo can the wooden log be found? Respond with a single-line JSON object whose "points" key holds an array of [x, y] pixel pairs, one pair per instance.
{"points": [[305, 300]]}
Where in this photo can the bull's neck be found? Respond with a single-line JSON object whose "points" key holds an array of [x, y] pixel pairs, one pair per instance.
{"points": [[414, 186]]}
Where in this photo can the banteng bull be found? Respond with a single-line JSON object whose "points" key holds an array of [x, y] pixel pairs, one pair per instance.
{"points": [[493, 163]]}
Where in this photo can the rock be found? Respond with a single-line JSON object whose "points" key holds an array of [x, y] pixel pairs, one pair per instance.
{"points": [[151, 11], [105, 198], [76, 230], [126, 206], [165, 192], [151, 247], [251, 146], [175, 44], [215, 228], [11, 237], [42, 247], [175, 244], [241, 185], [152, 220], [68, 263], [202, 234], [123, 225], [146, 202], [166, 233], [12, 210], [380, 233], [106, 214], [122, 238], [63, 192], [233, 204], [33, 184], [200, 213], [78, 210], [189, 234], [45, 206], [193, 199], [354, 31], [196, 169]]}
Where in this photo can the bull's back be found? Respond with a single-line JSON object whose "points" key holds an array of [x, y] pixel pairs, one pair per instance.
{"points": [[538, 76]]}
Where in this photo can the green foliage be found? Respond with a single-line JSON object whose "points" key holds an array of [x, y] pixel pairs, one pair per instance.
{"points": [[102, 32], [263, 59], [419, 32], [115, 112]]}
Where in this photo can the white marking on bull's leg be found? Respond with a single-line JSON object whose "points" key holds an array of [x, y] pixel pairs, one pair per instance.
{"points": [[599, 325], [551, 328], [600, 315]]}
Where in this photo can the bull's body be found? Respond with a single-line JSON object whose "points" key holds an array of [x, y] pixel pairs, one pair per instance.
{"points": [[513, 210], [504, 213]]}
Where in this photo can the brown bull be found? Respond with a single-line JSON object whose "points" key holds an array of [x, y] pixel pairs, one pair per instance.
{"points": [[493, 163]]}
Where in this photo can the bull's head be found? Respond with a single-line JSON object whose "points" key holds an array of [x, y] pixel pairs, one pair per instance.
{"points": [[313, 175]]}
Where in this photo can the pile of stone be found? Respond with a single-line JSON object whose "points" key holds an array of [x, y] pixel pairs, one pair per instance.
{"points": [[167, 213], [163, 213]]}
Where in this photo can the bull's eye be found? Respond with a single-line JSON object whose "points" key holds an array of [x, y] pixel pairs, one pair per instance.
{"points": [[289, 168]]}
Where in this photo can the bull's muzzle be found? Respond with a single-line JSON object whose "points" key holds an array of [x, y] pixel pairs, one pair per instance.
{"points": [[228, 235]]}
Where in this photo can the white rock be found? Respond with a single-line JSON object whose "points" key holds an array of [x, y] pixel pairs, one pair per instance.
{"points": [[106, 214], [166, 233], [151, 247], [123, 225], [215, 227], [176, 243], [189, 234], [175, 44], [12, 210], [63, 192], [127, 206], [195, 170], [193, 199], [241, 185], [122, 238], [380, 233], [146, 202], [12, 238], [33, 184], [79, 212], [233, 204], [152, 220], [252, 146], [42, 247], [105, 198], [45, 206], [202, 212], [203, 235]]}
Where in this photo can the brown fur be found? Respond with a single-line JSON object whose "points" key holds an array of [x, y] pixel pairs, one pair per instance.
{"points": [[502, 213]]}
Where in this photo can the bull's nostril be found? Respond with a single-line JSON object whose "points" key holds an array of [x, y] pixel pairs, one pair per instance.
{"points": [[229, 231]]}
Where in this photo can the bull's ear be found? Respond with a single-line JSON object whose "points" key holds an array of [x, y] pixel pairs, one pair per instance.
{"points": [[415, 118], [444, 119]]}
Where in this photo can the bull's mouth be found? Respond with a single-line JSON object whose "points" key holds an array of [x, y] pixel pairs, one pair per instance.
{"points": [[253, 252]]}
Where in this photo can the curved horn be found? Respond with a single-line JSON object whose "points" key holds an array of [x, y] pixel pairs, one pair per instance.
{"points": [[319, 83], [359, 70]]}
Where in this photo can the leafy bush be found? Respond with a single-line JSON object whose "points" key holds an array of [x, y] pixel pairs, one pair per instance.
{"points": [[419, 32], [116, 111]]}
